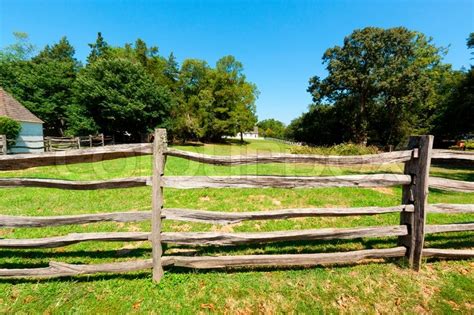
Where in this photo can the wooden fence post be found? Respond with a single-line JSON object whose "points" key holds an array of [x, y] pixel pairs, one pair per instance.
{"points": [[416, 193], [159, 147], [3, 143], [103, 139], [90, 141]]}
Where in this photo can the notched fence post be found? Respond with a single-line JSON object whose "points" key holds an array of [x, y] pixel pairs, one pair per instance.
{"points": [[159, 147], [416, 193]]}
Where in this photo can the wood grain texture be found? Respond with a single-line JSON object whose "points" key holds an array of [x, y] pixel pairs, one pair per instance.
{"points": [[215, 217], [57, 269], [375, 180], [290, 260], [24, 161], [159, 147], [451, 184], [203, 216], [454, 227], [448, 253], [450, 208], [221, 238], [75, 185], [208, 238], [28, 221], [382, 158], [452, 154], [416, 192], [73, 238]]}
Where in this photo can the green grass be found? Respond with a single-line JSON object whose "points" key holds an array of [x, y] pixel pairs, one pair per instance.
{"points": [[381, 286]]}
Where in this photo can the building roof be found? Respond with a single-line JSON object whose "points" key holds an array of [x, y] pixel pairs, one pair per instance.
{"points": [[11, 108]]}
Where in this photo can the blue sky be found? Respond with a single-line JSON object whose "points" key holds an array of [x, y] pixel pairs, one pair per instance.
{"points": [[280, 43]]}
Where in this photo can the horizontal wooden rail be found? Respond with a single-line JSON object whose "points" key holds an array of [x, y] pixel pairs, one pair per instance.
{"points": [[73, 238], [454, 227], [24, 161], [452, 154], [450, 208], [382, 158], [448, 253], [289, 260], [211, 217], [75, 185], [375, 180], [57, 269], [24, 221], [220, 238], [209, 238], [451, 184], [215, 217], [188, 182], [26, 147]]}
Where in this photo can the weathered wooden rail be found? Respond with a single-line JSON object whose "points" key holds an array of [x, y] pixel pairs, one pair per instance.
{"points": [[410, 232]]}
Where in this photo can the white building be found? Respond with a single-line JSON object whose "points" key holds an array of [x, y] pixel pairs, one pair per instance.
{"points": [[31, 134]]}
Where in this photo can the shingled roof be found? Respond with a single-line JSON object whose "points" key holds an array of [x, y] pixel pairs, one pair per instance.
{"points": [[10, 107]]}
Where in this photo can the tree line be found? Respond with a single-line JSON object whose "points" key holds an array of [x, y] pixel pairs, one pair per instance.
{"points": [[128, 91], [383, 85]]}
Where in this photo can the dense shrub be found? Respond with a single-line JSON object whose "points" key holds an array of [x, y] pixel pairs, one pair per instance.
{"points": [[339, 149], [10, 128]]}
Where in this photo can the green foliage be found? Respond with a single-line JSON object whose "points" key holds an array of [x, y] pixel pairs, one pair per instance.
{"points": [[339, 149], [121, 97], [44, 84], [22, 49], [321, 125], [9, 127], [381, 80], [214, 102], [271, 128]]}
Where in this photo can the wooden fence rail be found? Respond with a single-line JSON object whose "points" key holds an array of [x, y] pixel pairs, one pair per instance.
{"points": [[410, 232]]}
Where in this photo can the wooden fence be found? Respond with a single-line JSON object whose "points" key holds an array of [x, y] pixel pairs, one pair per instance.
{"points": [[410, 232], [3, 145], [59, 143]]}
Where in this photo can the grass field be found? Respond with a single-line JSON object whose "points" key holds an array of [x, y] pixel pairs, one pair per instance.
{"points": [[377, 287]]}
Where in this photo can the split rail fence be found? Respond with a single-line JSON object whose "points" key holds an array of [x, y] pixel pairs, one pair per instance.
{"points": [[410, 232], [57, 143]]}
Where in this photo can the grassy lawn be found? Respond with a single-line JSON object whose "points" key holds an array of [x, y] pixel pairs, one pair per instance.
{"points": [[376, 287]]}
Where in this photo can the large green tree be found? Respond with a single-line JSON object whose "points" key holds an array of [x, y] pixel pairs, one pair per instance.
{"points": [[382, 81], [271, 128], [121, 97], [44, 83]]}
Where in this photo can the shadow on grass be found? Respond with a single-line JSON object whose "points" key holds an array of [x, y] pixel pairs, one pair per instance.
{"points": [[27, 257]]}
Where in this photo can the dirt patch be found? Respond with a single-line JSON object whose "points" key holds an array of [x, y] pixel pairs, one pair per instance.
{"points": [[384, 190]]}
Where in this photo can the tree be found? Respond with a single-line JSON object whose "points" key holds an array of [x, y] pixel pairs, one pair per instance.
{"points": [[9, 128], [22, 49], [455, 114], [121, 97], [320, 126], [234, 108], [272, 128], [43, 84], [99, 49], [381, 78]]}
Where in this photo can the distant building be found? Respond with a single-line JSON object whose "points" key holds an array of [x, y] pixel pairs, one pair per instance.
{"points": [[31, 126], [249, 134]]}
